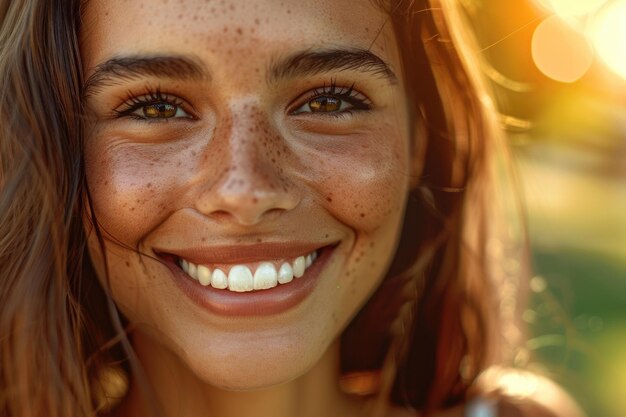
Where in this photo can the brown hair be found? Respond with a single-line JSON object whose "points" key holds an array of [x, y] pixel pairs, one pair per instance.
{"points": [[443, 327], [53, 313]]}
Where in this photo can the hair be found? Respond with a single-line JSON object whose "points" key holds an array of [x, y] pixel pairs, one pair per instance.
{"points": [[427, 327]]}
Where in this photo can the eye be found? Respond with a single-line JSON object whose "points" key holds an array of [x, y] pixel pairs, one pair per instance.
{"points": [[333, 100], [160, 111], [153, 106]]}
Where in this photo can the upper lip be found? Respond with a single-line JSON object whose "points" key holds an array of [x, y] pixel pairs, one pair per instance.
{"points": [[239, 254]]}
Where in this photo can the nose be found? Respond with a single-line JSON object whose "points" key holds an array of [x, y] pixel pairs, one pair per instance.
{"points": [[243, 174]]}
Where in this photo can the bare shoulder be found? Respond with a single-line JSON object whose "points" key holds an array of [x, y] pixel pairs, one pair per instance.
{"points": [[508, 392], [520, 393]]}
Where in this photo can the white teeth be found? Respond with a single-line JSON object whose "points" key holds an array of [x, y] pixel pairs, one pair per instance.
{"points": [[299, 266], [193, 271], [285, 274], [265, 276], [204, 275], [240, 279], [219, 280]]}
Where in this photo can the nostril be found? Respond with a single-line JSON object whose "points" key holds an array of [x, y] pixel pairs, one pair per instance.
{"points": [[221, 215]]}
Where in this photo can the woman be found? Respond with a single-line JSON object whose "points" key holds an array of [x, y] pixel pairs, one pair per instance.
{"points": [[270, 194]]}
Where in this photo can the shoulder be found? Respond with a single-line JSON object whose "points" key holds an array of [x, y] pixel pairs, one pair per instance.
{"points": [[508, 392], [520, 393]]}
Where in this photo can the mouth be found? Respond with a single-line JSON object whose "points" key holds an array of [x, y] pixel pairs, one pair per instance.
{"points": [[248, 281], [249, 276]]}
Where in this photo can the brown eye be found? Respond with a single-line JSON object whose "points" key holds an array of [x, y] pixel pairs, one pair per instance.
{"points": [[324, 104], [159, 110]]}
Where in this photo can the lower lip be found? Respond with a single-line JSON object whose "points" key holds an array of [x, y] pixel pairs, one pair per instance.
{"points": [[252, 303]]}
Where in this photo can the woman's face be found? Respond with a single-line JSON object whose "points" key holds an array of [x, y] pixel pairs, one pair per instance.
{"points": [[243, 136]]}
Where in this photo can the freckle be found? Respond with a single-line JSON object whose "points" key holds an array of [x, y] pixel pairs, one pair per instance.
{"points": [[330, 200], [225, 29], [127, 263], [255, 200], [239, 31], [259, 240], [203, 239], [326, 236], [288, 11], [180, 16], [362, 214], [257, 21], [148, 185]]}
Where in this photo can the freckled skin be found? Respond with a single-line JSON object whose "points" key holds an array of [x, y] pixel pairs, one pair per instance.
{"points": [[244, 170]]}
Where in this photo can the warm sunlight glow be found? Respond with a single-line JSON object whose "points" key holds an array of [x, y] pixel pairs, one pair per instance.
{"points": [[560, 51], [575, 7], [608, 32]]}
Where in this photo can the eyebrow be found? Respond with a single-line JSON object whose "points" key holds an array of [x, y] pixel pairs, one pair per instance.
{"points": [[308, 62], [127, 68], [311, 62]]}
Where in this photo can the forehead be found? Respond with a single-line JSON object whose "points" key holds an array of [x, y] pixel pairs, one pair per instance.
{"points": [[248, 28]]}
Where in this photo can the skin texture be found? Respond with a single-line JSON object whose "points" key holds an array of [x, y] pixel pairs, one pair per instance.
{"points": [[243, 164]]}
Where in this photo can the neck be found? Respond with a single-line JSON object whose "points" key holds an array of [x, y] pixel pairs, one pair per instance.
{"points": [[180, 393]]}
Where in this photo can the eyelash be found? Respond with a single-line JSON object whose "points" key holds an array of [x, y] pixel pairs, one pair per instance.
{"points": [[356, 100], [132, 103]]}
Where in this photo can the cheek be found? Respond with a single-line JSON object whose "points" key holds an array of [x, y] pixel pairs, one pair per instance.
{"points": [[365, 181], [132, 188]]}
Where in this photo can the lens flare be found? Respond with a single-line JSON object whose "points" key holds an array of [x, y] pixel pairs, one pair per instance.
{"points": [[560, 51], [575, 8], [608, 34]]}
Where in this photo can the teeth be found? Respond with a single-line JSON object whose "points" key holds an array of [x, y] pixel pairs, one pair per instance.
{"points": [[285, 274], [241, 279], [219, 280], [299, 266], [204, 275], [193, 271], [265, 276]]}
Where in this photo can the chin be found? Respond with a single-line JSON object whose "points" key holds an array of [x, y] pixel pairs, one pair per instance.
{"points": [[255, 372]]}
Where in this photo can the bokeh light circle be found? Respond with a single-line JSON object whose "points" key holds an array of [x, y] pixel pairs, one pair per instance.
{"points": [[559, 51], [608, 33], [575, 8]]}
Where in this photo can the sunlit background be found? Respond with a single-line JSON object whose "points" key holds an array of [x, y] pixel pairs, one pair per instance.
{"points": [[558, 68]]}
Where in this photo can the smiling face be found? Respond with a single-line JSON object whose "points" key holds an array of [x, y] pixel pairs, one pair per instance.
{"points": [[241, 136]]}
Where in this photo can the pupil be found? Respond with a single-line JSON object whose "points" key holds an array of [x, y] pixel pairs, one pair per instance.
{"points": [[324, 104], [159, 110]]}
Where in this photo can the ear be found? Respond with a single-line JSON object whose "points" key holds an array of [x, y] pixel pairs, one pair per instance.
{"points": [[418, 146]]}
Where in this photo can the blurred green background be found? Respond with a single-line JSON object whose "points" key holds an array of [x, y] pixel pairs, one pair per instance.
{"points": [[558, 69]]}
